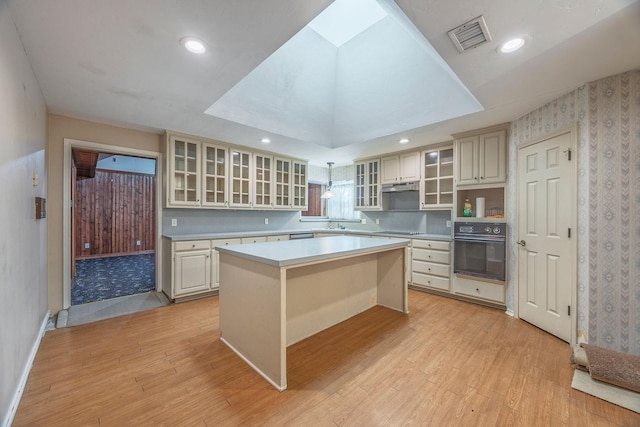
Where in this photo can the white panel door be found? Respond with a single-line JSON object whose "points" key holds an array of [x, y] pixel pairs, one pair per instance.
{"points": [[192, 272], [546, 203]]}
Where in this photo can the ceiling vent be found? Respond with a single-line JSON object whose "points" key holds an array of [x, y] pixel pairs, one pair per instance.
{"points": [[470, 34]]}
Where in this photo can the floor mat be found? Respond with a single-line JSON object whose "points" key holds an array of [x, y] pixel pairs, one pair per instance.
{"points": [[99, 279], [92, 312], [622, 397]]}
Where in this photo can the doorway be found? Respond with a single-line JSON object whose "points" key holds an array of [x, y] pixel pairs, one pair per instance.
{"points": [[546, 234], [113, 233], [112, 246]]}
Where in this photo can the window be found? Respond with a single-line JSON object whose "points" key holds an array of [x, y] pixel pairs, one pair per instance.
{"points": [[340, 207]]}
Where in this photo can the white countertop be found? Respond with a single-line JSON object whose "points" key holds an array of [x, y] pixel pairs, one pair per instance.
{"points": [[237, 234], [293, 252]]}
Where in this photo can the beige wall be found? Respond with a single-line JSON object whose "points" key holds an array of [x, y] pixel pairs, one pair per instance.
{"points": [[23, 258], [59, 128]]}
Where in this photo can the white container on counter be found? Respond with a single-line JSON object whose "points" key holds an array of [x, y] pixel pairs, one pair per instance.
{"points": [[479, 207]]}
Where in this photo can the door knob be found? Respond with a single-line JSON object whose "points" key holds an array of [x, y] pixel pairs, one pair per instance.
{"points": [[522, 243]]}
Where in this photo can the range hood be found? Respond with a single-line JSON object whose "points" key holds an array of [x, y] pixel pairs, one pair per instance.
{"points": [[396, 188]]}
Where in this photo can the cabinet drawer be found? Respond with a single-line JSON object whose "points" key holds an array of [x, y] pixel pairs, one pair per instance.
{"points": [[257, 239], [278, 238], [430, 268], [224, 242], [436, 282], [190, 245], [441, 257], [478, 289], [431, 244]]}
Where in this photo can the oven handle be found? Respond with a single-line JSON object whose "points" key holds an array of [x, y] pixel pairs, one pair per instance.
{"points": [[491, 239]]}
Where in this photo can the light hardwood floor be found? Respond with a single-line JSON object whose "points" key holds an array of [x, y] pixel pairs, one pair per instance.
{"points": [[447, 363]]}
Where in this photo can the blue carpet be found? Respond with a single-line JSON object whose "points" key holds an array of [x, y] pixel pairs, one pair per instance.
{"points": [[99, 279]]}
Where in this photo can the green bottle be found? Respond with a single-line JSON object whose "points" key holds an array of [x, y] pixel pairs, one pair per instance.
{"points": [[467, 211]]}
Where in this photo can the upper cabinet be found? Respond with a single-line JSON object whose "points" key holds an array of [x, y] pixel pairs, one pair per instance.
{"points": [[240, 179], [481, 156], [282, 183], [215, 169], [404, 167], [367, 185], [203, 173], [263, 184], [184, 172], [299, 185], [436, 185]]}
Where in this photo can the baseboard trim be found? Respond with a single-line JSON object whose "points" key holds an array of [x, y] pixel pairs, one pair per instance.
{"points": [[8, 419]]}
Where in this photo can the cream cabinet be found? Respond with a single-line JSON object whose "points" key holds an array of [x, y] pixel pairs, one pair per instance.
{"points": [[255, 239], [183, 172], [367, 185], [481, 156], [431, 264], [480, 290], [201, 173], [262, 181], [278, 238], [190, 273], [403, 167], [299, 185], [215, 259], [282, 183], [436, 185], [215, 169], [290, 184], [240, 179]]}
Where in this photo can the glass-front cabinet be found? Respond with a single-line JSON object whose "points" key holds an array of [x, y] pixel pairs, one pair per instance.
{"points": [[214, 175], [367, 185], [263, 184], [184, 185], [240, 179], [282, 183], [436, 185], [299, 185], [203, 173]]}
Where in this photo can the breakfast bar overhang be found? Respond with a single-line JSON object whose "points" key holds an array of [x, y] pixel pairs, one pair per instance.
{"points": [[275, 294]]}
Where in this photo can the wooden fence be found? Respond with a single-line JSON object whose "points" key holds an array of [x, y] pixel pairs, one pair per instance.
{"points": [[114, 211]]}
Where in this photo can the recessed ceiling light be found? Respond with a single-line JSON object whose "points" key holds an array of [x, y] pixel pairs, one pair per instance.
{"points": [[512, 45], [193, 45], [403, 140], [265, 140]]}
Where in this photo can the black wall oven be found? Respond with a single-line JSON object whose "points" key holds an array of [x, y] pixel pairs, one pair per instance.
{"points": [[479, 250]]}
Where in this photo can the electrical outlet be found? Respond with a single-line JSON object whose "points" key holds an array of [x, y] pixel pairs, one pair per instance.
{"points": [[137, 242], [364, 220], [266, 221], [448, 223], [174, 222], [87, 246], [377, 221]]}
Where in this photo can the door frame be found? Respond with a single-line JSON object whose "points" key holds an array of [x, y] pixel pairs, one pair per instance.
{"points": [[70, 144], [572, 130]]}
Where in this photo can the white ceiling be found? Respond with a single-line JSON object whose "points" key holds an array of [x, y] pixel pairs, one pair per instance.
{"points": [[120, 62]]}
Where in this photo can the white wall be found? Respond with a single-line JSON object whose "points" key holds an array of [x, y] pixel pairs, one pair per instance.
{"points": [[23, 261]]}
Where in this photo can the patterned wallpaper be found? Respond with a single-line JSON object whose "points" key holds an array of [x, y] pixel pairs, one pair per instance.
{"points": [[320, 174], [608, 279]]}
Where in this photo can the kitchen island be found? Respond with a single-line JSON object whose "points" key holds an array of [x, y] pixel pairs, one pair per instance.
{"points": [[275, 294]]}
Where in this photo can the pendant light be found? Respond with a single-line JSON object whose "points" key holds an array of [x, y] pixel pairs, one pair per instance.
{"points": [[328, 194]]}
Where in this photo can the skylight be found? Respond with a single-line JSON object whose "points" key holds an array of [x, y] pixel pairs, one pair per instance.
{"points": [[381, 77], [345, 19]]}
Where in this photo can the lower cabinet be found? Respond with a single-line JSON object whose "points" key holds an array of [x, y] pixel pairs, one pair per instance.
{"points": [[215, 259], [486, 291], [190, 264], [431, 264]]}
